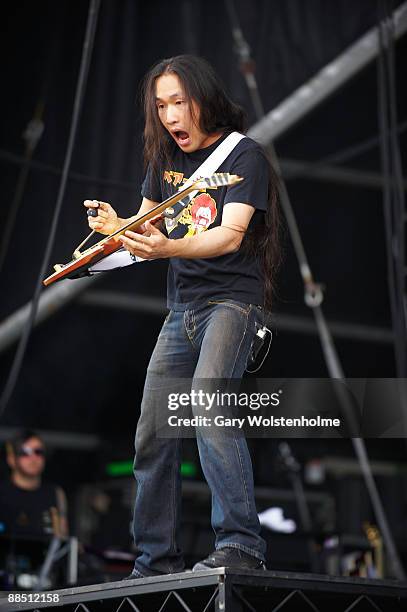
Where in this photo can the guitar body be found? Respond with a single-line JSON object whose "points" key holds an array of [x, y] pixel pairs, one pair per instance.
{"points": [[79, 267], [83, 261]]}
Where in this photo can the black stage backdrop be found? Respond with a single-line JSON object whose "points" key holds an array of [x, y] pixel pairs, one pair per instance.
{"points": [[85, 366]]}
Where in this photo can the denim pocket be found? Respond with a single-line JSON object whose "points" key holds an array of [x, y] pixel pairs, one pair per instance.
{"points": [[244, 308]]}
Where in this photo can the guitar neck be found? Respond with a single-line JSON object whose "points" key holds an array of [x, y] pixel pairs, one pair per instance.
{"points": [[176, 197]]}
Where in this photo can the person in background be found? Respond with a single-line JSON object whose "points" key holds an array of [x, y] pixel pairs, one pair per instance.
{"points": [[28, 506]]}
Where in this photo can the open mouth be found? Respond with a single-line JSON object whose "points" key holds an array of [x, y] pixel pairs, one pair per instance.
{"points": [[181, 137]]}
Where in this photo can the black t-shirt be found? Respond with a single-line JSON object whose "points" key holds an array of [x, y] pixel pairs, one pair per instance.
{"points": [[235, 276], [25, 512]]}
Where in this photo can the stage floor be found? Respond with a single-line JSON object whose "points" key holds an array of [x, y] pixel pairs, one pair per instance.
{"points": [[224, 590]]}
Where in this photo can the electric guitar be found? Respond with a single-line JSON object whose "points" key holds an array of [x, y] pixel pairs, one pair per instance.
{"points": [[82, 261]]}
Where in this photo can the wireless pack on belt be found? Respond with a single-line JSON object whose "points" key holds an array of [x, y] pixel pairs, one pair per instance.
{"points": [[257, 345]]}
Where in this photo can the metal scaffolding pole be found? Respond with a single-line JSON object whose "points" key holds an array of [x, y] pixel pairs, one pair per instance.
{"points": [[270, 127], [290, 169], [286, 322], [324, 83], [313, 294], [51, 301]]}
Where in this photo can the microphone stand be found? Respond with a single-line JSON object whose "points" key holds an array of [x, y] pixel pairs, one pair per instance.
{"points": [[292, 468]]}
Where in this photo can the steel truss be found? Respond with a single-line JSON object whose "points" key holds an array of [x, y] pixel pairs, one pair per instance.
{"points": [[224, 590]]}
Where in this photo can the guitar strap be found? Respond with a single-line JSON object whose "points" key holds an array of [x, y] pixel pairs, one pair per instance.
{"points": [[207, 168], [122, 258]]}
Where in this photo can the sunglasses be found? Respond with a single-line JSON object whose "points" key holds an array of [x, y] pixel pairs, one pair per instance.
{"points": [[26, 451]]}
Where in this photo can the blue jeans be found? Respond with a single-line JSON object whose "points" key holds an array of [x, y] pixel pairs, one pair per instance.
{"points": [[212, 341]]}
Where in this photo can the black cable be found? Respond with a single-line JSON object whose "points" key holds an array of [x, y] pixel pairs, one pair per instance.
{"points": [[396, 233], [385, 159], [392, 208], [399, 198], [88, 43], [32, 136]]}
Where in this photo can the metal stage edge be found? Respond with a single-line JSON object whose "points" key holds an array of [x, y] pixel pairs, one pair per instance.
{"points": [[226, 590]]}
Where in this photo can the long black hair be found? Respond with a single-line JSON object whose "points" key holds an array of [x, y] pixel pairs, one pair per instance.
{"points": [[201, 84], [217, 114]]}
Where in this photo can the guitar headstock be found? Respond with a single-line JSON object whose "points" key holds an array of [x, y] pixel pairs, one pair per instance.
{"points": [[219, 179]]}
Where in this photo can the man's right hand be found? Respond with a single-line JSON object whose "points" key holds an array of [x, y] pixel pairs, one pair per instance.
{"points": [[106, 221]]}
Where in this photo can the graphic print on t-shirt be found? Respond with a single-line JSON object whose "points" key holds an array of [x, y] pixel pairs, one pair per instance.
{"points": [[203, 213], [198, 215], [236, 276]]}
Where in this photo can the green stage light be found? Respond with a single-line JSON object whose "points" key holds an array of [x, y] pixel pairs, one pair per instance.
{"points": [[125, 468], [188, 469], [120, 468]]}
